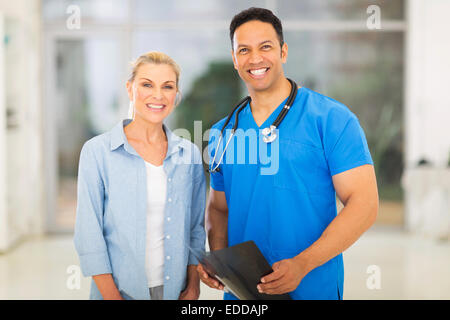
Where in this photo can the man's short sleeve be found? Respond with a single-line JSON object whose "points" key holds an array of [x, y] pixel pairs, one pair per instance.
{"points": [[215, 178], [345, 143]]}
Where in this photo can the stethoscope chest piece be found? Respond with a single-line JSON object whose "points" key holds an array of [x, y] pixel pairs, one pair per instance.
{"points": [[269, 134]]}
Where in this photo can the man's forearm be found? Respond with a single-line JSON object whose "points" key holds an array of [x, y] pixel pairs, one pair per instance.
{"points": [[216, 226], [192, 276], [353, 220]]}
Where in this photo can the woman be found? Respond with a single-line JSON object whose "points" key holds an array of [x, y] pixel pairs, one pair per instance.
{"points": [[141, 197]]}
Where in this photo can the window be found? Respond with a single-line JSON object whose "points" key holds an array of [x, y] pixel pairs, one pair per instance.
{"points": [[330, 51]]}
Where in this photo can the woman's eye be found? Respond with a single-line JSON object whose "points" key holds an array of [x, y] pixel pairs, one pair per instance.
{"points": [[147, 85], [168, 87]]}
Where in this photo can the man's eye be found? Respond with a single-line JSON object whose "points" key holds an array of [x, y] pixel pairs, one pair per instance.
{"points": [[243, 50], [266, 46]]}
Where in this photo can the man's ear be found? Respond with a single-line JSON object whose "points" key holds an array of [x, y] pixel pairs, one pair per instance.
{"points": [[234, 59], [284, 52]]}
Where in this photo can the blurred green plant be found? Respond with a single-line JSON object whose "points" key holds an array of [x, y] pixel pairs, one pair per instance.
{"points": [[375, 96], [212, 96], [381, 137]]}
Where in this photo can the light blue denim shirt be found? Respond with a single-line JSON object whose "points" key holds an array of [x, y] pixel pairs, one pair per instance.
{"points": [[110, 228]]}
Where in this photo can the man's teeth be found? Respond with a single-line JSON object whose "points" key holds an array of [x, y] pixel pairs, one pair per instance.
{"points": [[258, 71], [155, 106]]}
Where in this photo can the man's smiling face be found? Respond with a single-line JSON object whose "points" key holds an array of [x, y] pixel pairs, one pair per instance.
{"points": [[257, 55]]}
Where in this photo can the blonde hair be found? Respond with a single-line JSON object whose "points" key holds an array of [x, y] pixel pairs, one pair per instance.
{"points": [[156, 58]]}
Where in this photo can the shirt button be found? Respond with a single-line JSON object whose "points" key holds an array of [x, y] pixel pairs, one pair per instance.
{"points": [[168, 219], [170, 199], [168, 257], [170, 179], [167, 278], [168, 237]]}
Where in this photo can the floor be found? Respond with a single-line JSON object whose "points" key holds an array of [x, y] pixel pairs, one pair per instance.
{"points": [[386, 263]]}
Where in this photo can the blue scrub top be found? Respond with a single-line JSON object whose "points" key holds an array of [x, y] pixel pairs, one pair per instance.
{"points": [[287, 207]]}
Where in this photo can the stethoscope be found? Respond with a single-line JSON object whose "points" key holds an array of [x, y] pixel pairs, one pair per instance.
{"points": [[269, 134]]}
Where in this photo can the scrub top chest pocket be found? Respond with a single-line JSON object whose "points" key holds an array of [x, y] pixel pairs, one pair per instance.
{"points": [[302, 168]]}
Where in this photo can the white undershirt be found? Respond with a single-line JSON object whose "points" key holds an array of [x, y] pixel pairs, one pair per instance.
{"points": [[156, 199]]}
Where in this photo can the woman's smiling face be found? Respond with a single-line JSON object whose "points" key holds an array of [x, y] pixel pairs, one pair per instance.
{"points": [[153, 92]]}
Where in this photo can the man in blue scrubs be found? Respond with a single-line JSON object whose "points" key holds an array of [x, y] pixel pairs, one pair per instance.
{"points": [[285, 198]]}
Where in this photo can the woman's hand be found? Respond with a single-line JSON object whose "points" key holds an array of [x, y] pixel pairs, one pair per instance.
{"points": [[107, 287]]}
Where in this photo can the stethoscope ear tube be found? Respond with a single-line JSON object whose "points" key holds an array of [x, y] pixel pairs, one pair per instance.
{"points": [[243, 102], [287, 106]]}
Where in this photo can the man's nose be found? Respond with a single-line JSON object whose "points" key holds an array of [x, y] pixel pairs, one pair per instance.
{"points": [[255, 58]]}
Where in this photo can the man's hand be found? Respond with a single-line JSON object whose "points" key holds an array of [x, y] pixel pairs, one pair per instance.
{"points": [[190, 293], [286, 277], [206, 279]]}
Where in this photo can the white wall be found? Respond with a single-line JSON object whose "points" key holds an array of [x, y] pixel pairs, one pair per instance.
{"points": [[3, 228], [427, 82], [427, 116], [22, 208]]}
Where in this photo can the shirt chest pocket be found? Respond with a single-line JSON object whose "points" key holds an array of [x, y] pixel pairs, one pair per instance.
{"points": [[180, 186], [302, 168]]}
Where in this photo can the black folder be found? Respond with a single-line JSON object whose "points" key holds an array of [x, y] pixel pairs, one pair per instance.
{"points": [[240, 269]]}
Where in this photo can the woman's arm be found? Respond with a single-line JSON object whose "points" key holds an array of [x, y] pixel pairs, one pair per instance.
{"points": [[197, 232], [107, 287], [88, 234]]}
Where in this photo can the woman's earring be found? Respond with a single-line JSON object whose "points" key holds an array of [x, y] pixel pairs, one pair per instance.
{"points": [[131, 111], [178, 98]]}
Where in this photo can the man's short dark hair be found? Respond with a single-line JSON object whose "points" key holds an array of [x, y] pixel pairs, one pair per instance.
{"points": [[260, 14]]}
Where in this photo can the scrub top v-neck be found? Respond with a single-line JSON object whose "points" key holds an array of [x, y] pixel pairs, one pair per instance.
{"points": [[284, 199]]}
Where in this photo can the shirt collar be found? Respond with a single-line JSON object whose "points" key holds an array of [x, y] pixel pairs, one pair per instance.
{"points": [[118, 138]]}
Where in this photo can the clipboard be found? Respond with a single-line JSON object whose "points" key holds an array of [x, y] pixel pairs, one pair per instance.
{"points": [[240, 268]]}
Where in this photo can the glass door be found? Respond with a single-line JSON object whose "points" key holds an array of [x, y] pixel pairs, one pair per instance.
{"points": [[85, 97]]}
